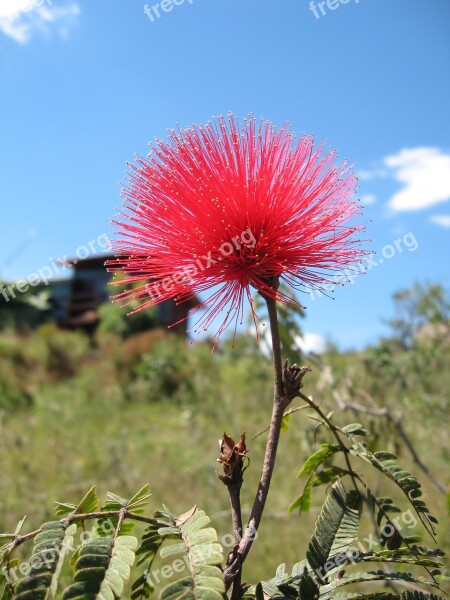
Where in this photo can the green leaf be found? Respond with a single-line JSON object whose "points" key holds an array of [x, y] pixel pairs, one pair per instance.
{"points": [[139, 501], [303, 502], [136, 504], [50, 549], [387, 596], [285, 422], [372, 576], [150, 544], [385, 506], [314, 461], [402, 556], [280, 574], [385, 463], [355, 429], [102, 567], [308, 589], [89, 503], [199, 545], [336, 528], [6, 585], [328, 475], [173, 549], [19, 526], [419, 596], [196, 522], [62, 508]]}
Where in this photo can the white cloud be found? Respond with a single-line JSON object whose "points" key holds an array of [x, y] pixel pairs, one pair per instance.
{"points": [[441, 220], [311, 342], [367, 199], [425, 175], [308, 342], [20, 19]]}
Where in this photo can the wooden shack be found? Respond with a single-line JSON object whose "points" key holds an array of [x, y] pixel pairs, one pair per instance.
{"points": [[89, 289], [73, 302]]}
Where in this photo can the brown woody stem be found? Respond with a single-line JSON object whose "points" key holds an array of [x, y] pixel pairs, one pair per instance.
{"points": [[236, 515], [234, 568]]}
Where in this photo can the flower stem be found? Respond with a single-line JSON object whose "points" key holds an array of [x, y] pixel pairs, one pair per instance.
{"points": [[270, 453], [236, 515]]}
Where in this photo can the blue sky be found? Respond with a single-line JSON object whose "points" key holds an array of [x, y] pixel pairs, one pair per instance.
{"points": [[86, 84]]}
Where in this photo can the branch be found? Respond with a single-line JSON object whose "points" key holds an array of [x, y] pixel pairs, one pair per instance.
{"points": [[376, 411], [335, 431], [71, 518], [291, 411], [236, 513]]}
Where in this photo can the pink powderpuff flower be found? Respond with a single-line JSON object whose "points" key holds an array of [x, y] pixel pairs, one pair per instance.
{"points": [[230, 206]]}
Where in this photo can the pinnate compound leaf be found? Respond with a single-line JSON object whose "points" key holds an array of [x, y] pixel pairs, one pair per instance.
{"points": [[139, 501], [385, 462], [308, 587], [137, 504], [407, 595], [309, 468], [89, 503], [328, 475], [336, 528], [327, 591], [198, 543], [6, 585], [51, 545], [102, 567]]}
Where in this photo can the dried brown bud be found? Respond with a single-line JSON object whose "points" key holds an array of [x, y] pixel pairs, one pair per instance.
{"points": [[292, 380], [231, 457]]}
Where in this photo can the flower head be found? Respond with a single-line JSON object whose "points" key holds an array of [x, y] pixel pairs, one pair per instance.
{"points": [[227, 207]]}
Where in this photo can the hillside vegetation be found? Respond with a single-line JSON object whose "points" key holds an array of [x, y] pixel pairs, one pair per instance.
{"points": [[122, 410]]}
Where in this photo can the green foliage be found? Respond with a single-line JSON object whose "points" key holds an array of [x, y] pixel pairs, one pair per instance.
{"points": [[371, 577], [50, 547], [150, 544], [407, 595], [21, 307], [303, 502], [199, 545], [89, 503], [86, 423], [418, 348], [385, 462], [15, 392], [336, 529], [102, 562], [114, 320], [163, 372], [332, 551], [62, 351], [102, 567], [421, 306]]}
